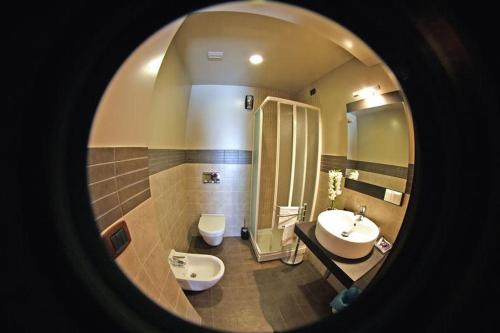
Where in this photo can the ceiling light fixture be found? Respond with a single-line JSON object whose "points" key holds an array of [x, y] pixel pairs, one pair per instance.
{"points": [[256, 59]]}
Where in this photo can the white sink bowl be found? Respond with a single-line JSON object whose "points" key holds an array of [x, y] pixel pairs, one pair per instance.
{"points": [[357, 244]]}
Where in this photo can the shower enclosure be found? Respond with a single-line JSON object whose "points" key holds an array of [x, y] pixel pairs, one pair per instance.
{"points": [[285, 172]]}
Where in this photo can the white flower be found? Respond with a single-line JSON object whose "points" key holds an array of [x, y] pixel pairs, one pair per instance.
{"points": [[354, 174], [334, 181]]}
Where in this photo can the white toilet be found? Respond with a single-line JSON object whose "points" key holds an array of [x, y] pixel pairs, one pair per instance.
{"points": [[211, 227]]}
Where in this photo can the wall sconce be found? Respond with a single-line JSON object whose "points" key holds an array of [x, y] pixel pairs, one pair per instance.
{"points": [[249, 102], [367, 92]]}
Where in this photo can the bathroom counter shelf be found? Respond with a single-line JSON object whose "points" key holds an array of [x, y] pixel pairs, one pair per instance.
{"points": [[347, 271]]}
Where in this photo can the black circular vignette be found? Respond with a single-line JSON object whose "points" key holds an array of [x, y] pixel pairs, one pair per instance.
{"points": [[63, 58]]}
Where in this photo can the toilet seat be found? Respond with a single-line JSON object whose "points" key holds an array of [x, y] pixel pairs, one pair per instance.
{"points": [[211, 227], [212, 224]]}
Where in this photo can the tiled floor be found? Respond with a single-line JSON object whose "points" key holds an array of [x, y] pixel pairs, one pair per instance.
{"points": [[259, 297]]}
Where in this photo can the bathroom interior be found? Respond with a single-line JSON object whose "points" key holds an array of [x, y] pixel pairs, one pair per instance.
{"points": [[214, 166]]}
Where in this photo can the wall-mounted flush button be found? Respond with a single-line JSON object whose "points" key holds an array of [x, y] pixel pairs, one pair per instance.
{"points": [[393, 197], [116, 238], [211, 177]]}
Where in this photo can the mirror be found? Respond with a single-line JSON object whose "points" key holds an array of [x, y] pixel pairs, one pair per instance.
{"points": [[378, 147]]}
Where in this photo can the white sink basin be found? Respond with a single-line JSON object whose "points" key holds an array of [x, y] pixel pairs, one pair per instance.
{"points": [[357, 244]]}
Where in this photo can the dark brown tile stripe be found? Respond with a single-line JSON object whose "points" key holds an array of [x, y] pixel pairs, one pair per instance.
{"points": [[383, 169], [118, 181], [102, 188], [127, 166], [133, 202], [219, 156], [100, 172], [131, 178], [329, 162], [128, 192], [106, 220], [105, 204], [409, 179], [163, 159], [127, 153], [365, 188], [100, 155]]}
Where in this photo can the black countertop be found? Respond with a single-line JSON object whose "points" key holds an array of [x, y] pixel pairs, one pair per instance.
{"points": [[347, 271]]}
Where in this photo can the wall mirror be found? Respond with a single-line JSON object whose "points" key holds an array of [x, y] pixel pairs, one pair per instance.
{"points": [[378, 147]]}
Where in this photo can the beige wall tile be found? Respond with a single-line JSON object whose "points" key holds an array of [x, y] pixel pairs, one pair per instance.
{"points": [[145, 261], [230, 198], [171, 290], [143, 229], [156, 265], [129, 262], [146, 285]]}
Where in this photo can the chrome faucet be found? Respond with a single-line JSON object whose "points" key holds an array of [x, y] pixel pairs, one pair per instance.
{"points": [[361, 213], [177, 261]]}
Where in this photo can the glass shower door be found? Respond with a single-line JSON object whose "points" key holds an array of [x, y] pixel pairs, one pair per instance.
{"points": [[284, 169], [255, 173]]}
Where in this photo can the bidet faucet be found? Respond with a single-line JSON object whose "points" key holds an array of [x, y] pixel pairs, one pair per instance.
{"points": [[177, 262]]}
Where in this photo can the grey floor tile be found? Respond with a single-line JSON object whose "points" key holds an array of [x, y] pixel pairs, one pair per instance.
{"points": [[259, 297]]}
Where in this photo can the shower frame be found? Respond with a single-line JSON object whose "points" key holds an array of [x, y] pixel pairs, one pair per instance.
{"points": [[281, 253]]}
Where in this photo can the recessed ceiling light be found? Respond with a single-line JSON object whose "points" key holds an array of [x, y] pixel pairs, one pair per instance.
{"points": [[256, 59]]}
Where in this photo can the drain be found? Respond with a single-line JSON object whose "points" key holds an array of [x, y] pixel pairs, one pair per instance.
{"points": [[193, 275], [345, 234]]}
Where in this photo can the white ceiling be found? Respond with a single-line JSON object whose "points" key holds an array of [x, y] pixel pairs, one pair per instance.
{"points": [[320, 24], [294, 56]]}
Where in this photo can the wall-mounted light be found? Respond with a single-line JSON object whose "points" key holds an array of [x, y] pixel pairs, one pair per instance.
{"points": [[367, 92], [153, 65], [348, 43], [249, 102]]}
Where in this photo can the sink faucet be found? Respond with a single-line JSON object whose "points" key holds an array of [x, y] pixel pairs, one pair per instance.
{"points": [[361, 214], [177, 261]]}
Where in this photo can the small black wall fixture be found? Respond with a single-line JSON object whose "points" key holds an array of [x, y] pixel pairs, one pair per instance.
{"points": [[249, 102]]}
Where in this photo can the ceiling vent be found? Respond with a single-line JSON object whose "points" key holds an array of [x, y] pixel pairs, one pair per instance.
{"points": [[215, 55]]}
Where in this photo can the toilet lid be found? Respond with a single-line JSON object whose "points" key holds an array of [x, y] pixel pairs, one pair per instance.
{"points": [[212, 223]]}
